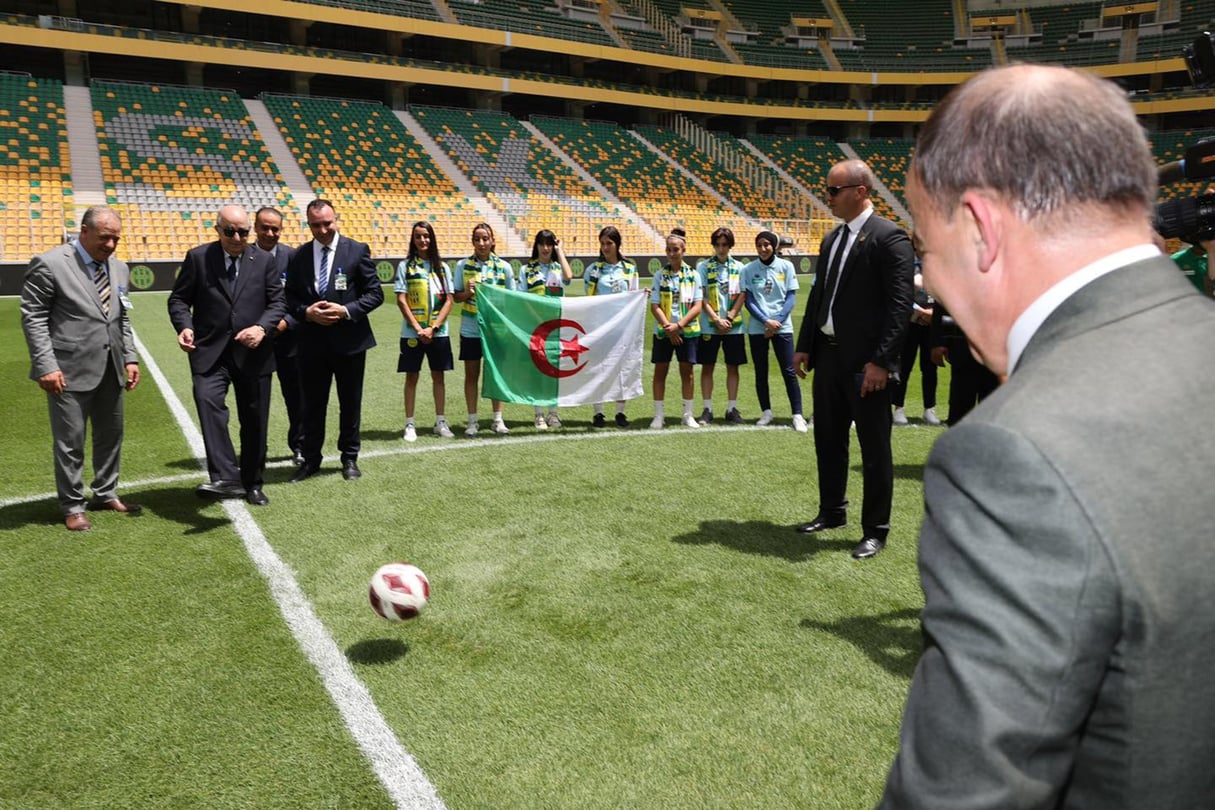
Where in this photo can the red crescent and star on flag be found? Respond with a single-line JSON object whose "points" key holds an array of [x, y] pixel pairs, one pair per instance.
{"points": [[570, 348]]}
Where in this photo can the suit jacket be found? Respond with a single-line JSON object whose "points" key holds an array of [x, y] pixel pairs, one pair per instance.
{"points": [[203, 300], [284, 342], [873, 299], [363, 293], [65, 326], [1067, 563]]}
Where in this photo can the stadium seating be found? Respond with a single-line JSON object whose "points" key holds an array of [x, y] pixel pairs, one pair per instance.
{"points": [[521, 17], [532, 187], [1172, 146], [889, 159], [417, 9], [172, 156], [730, 186], [359, 155], [662, 195], [36, 211]]}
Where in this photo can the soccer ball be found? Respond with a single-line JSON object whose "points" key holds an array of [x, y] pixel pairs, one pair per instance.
{"points": [[399, 591]]}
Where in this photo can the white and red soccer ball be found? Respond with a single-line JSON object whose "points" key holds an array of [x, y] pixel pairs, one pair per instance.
{"points": [[399, 591]]}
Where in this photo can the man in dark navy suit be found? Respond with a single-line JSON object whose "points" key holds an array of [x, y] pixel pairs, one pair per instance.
{"points": [[268, 228], [852, 336], [225, 303], [331, 288]]}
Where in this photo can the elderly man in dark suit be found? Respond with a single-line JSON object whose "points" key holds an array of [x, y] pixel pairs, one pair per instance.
{"points": [[1066, 554], [331, 288], [268, 229], [82, 354], [852, 336], [227, 300]]}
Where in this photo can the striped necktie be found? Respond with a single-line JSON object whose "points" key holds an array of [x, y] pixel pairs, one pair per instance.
{"points": [[322, 276], [101, 278]]}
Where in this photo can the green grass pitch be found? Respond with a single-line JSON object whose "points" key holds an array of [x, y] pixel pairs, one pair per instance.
{"points": [[620, 618]]}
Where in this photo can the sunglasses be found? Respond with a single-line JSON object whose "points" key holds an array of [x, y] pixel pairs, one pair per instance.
{"points": [[231, 232], [833, 190]]}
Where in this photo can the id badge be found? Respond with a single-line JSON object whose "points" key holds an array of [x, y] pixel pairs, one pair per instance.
{"points": [[339, 283]]}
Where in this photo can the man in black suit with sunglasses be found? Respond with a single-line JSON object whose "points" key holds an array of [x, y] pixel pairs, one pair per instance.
{"points": [[227, 299]]}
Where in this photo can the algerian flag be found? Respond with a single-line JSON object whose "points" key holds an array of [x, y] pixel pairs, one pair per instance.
{"points": [[561, 350]]}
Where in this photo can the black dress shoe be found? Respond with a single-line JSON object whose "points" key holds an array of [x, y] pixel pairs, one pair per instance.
{"points": [[256, 497], [599, 421], [822, 523], [350, 470], [220, 489], [869, 547], [306, 470], [622, 420]]}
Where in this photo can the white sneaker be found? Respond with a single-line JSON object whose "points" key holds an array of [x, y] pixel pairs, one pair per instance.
{"points": [[799, 423], [540, 423], [765, 419], [471, 430], [690, 421], [443, 431], [411, 433], [554, 421], [500, 427], [657, 423], [900, 416], [930, 417]]}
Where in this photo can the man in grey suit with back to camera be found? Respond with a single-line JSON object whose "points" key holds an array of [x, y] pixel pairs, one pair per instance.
{"points": [[226, 302], [82, 353], [1066, 554]]}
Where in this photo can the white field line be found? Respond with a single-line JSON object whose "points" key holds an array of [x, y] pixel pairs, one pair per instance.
{"points": [[450, 446], [407, 786]]}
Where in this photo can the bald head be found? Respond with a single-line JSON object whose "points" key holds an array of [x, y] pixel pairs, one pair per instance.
{"points": [[1057, 145], [232, 225]]}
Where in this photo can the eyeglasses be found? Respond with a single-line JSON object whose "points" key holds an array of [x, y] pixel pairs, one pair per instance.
{"points": [[722, 243], [833, 190], [231, 232]]}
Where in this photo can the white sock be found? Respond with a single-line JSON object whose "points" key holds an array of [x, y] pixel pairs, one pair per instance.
{"points": [[619, 407], [438, 418], [732, 405], [409, 421], [659, 408], [599, 407], [472, 418], [687, 407], [709, 405], [497, 417]]}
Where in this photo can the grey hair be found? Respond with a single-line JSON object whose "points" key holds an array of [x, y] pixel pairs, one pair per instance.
{"points": [[89, 220], [1053, 142]]}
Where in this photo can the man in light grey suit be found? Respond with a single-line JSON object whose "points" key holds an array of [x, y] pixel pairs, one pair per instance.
{"points": [[1066, 556], [82, 353]]}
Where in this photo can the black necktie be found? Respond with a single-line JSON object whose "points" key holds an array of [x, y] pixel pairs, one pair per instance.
{"points": [[833, 277], [231, 269]]}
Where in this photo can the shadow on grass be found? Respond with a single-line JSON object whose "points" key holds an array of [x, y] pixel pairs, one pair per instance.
{"points": [[177, 505], [891, 640], [910, 472], [763, 537], [377, 651]]}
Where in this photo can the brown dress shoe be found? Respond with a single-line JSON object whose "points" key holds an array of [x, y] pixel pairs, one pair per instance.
{"points": [[115, 505], [77, 522]]}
